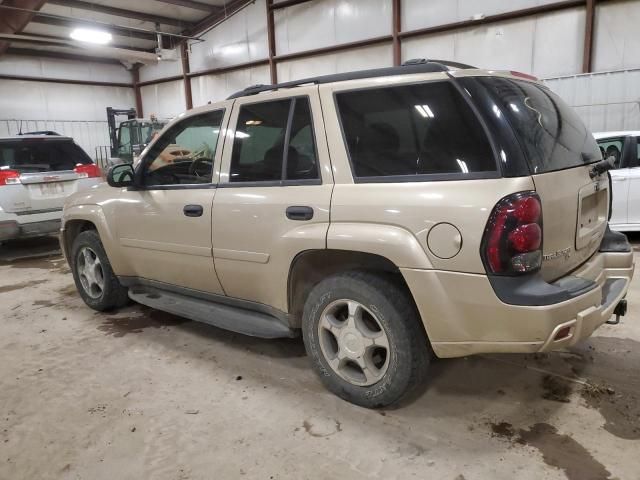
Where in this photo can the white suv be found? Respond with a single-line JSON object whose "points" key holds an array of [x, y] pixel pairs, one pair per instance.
{"points": [[37, 173], [625, 177]]}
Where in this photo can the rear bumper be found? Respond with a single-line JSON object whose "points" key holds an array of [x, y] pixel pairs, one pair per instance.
{"points": [[23, 226], [463, 315]]}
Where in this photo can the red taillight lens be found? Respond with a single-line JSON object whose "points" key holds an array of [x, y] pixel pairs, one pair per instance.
{"points": [[526, 238], [9, 177], [512, 241], [89, 170]]}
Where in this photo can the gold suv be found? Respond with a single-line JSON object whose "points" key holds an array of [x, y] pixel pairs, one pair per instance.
{"points": [[390, 216]]}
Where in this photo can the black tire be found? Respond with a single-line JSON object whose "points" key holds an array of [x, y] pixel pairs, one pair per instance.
{"points": [[113, 294], [409, 351]]}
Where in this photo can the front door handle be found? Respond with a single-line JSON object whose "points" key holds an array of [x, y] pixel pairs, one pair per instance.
{"points": [[193, 210], [299, 213]]}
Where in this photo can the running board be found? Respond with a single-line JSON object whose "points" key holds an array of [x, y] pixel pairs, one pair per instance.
{"points": [[240, 320]]}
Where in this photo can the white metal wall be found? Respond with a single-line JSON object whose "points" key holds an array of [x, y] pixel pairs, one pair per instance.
{"points": [[545, 45], [165, 100], [323, 23], [78, 111], [605, 101]]}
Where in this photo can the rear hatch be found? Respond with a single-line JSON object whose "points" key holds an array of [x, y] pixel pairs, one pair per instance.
{"points": [[559, 151], [37, 174]]}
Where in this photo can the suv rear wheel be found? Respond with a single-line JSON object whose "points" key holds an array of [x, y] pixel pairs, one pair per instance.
{"points": [[365, 338], [97, 284]]}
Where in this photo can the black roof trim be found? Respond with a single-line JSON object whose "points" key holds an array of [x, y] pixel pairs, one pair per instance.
{"points": [[419, 65], [40, 132]]}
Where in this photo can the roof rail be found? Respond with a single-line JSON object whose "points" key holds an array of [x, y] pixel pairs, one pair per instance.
{"points": [[40, 132], [419, 65]]}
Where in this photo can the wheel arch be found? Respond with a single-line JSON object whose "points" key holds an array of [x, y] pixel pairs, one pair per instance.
{"points": [[79, 218], [310, 267]]}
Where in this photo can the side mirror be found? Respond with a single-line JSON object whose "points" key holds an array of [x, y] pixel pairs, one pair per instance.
{"points": [[120, 175]]}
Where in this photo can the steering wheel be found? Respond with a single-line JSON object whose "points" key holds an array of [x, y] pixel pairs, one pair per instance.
{"points": [[198, 162]]}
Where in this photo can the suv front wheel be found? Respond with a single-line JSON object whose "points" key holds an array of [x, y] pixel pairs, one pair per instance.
{"points": [[365, 338], [97, 284]]}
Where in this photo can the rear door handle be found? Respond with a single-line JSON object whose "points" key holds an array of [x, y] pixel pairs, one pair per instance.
{"points": [[299, 213], [193, 210]]}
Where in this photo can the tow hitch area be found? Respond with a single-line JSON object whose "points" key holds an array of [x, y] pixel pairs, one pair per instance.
{"points": [[620, 311]]}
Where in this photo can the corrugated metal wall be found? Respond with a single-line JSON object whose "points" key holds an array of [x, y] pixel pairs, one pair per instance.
{"points": [[549, 45], [78, 111], [86, 133], [605, 101]]}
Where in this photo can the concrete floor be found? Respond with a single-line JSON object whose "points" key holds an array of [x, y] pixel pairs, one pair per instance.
{"points": [[144, 395]]}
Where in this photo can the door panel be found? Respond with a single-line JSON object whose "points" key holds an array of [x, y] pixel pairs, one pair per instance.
{"points": [[620, 195], [255, 243], [161, 243], [164, 227], [633, 203], [254, 240]]}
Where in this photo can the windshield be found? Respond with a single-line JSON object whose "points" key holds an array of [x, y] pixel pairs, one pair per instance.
{"points": [[551, 134]]}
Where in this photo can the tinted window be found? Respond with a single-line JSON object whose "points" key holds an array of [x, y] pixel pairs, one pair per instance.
{"points": [[185, 153], [302, 163], [611, 147], [551, 134], [258, 146], [413, 130], [41, 155]]}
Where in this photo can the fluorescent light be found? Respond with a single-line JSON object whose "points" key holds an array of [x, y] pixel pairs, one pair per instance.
{"points": [[240, 134], [91, 36]]}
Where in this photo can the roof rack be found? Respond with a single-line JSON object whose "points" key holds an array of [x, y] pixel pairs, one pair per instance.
{"points": [[417, 65]]}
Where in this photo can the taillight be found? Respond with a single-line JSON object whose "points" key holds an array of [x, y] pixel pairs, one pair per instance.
{"points": [[512, 241], [89, 170], [9, 177]]}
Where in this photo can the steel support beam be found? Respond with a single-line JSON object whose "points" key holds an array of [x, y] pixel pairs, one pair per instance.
{"points": [[287, 3], [121, 12], [14, 21], [203, 7], [188, 96], [396, 28], [271, 35], [587, 53], [24, 78], [33, 52], [135, 73]]}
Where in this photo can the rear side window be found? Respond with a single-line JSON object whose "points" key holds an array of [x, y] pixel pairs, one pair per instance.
{"points": [[549, 131], [423, 129], [41, 155], [612, 147], [274, 142]]}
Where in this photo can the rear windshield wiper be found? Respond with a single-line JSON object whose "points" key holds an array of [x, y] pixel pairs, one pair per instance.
{"points": [[602, 166]]}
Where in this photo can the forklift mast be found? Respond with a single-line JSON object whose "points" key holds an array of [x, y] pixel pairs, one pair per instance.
{"points": [[112, 113]]}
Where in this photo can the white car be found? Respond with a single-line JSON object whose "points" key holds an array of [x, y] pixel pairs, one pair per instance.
{"points": [[37, 173], [624, 146]]}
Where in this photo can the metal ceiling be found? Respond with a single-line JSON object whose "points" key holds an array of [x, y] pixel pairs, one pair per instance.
{"points": [[41, 27]]}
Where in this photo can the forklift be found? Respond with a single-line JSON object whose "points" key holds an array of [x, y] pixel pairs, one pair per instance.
{"points": [[130, 137]]}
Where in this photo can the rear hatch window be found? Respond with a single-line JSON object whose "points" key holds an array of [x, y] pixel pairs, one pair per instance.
{"points": [[557, 149], [406, 132], [550, 133], [34, 156]]}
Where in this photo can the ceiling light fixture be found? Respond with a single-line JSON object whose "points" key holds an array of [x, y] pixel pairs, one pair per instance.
{"points": [[99, 37]]}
